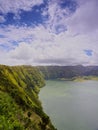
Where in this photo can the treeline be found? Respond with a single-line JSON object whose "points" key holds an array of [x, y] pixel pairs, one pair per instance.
{"points": [[68, 72]]}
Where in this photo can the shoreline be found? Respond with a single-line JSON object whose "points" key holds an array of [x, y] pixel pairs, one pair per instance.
{"points": [[79, 78]]}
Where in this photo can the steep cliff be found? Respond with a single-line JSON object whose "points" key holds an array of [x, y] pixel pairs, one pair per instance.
{"points": [[20, 108]]}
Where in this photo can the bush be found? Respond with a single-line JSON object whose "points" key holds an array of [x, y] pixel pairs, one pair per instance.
{"points": [[29, 114]]}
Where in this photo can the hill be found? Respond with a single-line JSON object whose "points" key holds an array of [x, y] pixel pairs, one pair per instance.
{"points": [[68, 72], [20, 108]]}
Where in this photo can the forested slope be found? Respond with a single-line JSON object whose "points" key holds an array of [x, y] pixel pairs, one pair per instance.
{"points": [[68, 72]]}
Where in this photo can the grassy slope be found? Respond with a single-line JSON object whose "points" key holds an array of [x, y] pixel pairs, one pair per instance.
{"points": [[20, 108]]}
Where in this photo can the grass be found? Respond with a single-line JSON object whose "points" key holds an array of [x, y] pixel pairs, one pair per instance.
{"points": [[20, 108]]}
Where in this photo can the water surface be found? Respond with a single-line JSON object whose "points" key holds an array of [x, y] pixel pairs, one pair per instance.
{"points": [[71, 105]]}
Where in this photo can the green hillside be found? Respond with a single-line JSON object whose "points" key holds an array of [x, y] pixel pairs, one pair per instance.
{"points": [[69, 72], [20, 108]]}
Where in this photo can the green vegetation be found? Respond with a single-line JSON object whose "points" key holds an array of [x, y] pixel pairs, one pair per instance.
{"points": [[20, 108], [69, 72], [83, 78]]}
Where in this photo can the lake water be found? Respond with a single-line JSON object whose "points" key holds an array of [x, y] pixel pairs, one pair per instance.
{"points": [[71, 105]]}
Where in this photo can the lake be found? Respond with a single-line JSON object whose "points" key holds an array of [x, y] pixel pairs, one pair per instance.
{"points": [[71, 105]]}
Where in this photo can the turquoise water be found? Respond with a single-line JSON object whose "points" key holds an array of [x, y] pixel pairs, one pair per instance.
{"points": [[71, 105]]}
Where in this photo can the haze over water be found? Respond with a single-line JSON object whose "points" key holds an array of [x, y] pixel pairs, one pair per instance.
{"points": [[71, 105]]}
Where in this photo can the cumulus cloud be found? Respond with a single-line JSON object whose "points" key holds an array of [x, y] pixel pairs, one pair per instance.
{"points": [[61, 40], [52, 49]]}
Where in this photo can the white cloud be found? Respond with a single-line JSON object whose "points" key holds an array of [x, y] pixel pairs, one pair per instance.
{"points": [[2, 19], [41, 45], [15, 6], [28, 34], [85, 19], [48, 48], [58, 15]]}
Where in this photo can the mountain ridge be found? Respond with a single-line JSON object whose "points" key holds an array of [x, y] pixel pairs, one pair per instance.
{"points": [[55, 72]]}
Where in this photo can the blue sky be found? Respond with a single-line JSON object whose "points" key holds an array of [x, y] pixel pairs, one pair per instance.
{"points": [[48, 32], [34, 15], [88, 52]]}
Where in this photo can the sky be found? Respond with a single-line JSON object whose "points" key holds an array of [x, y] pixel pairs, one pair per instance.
{"points": [[49, 32]]}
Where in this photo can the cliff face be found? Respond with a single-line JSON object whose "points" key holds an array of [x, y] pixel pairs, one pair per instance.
{"points": [[20, 108]]}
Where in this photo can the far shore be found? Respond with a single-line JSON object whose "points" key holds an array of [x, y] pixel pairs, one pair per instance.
{"points": [[79, 78]]}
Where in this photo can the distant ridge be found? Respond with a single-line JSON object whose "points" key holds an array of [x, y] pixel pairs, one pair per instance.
{"points": [[54, 72]]}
